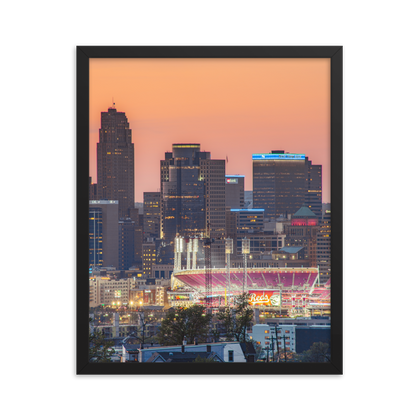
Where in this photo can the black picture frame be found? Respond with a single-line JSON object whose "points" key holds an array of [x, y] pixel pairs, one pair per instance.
{"points": [[335, 54]]}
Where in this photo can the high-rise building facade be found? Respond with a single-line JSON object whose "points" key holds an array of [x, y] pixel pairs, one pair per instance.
{"points": [[182, 192], [323, 247], [149, 258], [103, 233], [249, 221], [213, 174], [235, 194], [95, 237], [137, 218], [314, 195], [151, 214], [193, 197], [126, 233], [115, 161], [279, 182], [138, 239], [285, 182]]}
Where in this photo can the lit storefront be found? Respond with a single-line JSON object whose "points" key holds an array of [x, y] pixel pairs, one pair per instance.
{"points": [[180, 299]]}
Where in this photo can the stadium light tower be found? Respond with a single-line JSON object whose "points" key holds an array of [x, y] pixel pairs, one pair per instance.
{"points": [[189, 252], [176, 253], [209, 276], [179, 245], [245, 252], [194, 251], [229, 250]]}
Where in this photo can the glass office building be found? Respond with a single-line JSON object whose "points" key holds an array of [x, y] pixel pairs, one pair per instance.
{"points": [[193, 197], [103, 233], [285, 182], [183, 206], [95, 237]]}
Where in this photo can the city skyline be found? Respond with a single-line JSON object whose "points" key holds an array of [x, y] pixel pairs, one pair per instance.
{"points": [[268, 104]]}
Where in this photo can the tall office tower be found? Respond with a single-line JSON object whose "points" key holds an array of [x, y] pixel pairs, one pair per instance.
{"points": [[149, 258], [164, 177], [232, 228], [282, 183], [182, 192], [138, 235], [212, 171], [235, 194], [314, 195], [126, 229], [103, 233], [323, 247], [193, 197], [151, 212], [115, 160], [95, 237], [138, 244]]}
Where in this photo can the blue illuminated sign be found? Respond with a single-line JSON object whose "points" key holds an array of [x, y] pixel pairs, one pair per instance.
{"points": [[247, 209], [277, 156]]}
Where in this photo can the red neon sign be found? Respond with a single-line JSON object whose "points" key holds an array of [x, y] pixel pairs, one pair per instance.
{"points": [[264, 298], [304, 222]]}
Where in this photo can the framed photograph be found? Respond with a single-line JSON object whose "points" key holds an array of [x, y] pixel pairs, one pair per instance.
{"points": [[209, 210]]}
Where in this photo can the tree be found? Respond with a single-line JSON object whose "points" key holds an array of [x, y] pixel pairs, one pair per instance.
{"points": [[235, 321], [100, 350], [318, 353], [191, 323]]}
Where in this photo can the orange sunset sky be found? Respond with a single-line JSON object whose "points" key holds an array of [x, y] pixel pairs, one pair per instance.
{"points": [[232, 107]]}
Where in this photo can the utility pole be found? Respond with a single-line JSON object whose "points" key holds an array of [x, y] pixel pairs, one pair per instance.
{"points": [[284, 344], [142, 326], [277, 343], [272, 346], [284, 341], [266, 353]]}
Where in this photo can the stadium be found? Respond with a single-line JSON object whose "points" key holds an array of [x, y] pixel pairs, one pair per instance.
{"points": [[289, 291]]}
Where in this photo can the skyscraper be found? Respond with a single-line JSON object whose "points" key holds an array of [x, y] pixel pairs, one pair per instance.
{"points": [[126, 231], [95, 237], [285, 182], [313, 198], [182, 192], [193, 197], [103, 233], [212, 172], [151, 213], [323, 247], [115, 161], [235, 193]]}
